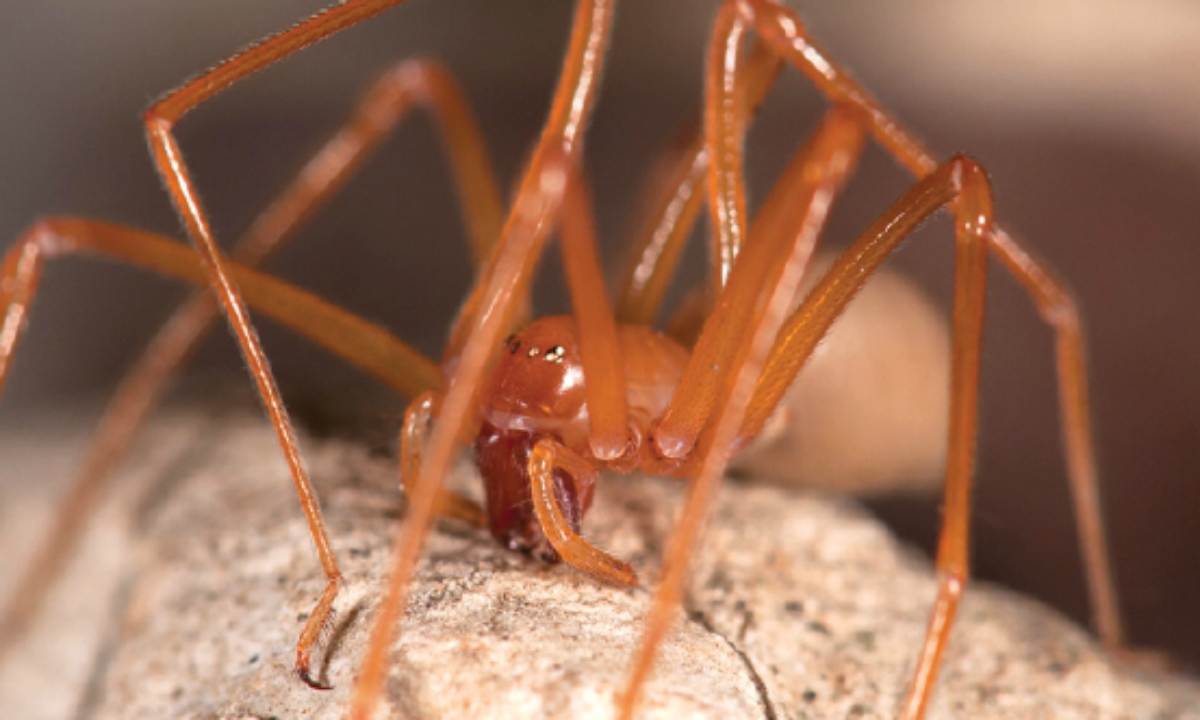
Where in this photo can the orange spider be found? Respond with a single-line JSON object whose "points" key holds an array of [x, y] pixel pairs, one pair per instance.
{"points": [[564, 398]]}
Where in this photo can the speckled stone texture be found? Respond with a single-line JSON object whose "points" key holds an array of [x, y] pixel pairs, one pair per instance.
{"points": [[800, 605]]}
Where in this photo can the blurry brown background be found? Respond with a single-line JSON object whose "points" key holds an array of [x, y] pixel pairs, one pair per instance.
{"points": [[1086, 114]]}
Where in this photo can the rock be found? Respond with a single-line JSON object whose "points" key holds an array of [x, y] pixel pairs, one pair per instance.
{"points": [[800, 605]]}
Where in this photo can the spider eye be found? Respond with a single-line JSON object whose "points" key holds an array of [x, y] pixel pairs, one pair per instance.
{"points": [[555, 354], [512, 343]]}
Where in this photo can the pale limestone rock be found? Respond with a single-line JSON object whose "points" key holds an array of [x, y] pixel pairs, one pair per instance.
{"points": [[800, 606]]}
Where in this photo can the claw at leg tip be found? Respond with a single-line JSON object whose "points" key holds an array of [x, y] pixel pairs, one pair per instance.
{"points": [[310, 681]]}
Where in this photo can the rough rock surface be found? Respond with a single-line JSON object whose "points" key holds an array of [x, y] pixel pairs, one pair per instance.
{"points": [[800, 606]]}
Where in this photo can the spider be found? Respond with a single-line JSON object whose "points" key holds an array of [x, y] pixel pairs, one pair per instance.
{"points": [[648, 402]]}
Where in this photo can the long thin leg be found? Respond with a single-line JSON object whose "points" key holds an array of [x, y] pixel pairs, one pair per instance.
{"points": [[959, 179], [417, 418], [963, 182], [360, 342], [160, 120], [574, 99], [784, 32], [599, 346], [673, 200], [520, 243], [834, 150], [603, 368], [530, 220], [1060, 310], [827, 157], [671, 203], [408, 85], [363, 344], [766, 275]]}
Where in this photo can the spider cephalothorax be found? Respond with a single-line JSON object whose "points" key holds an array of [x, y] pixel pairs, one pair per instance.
{"points": [[535, 392]]}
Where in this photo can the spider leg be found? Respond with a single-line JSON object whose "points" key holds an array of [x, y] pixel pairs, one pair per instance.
{"points": [[673, 200], [160, 120], [599, 347], [609, 434], [408, 85], [363, 344], [489, 310], [417, 418], [825, 160], [783, 31], [748, 314], [521, 242], [1059, 309], [570, 111], [963, 182]]}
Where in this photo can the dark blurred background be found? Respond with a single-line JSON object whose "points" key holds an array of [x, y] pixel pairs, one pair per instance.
{"points": [[1086, 114]]}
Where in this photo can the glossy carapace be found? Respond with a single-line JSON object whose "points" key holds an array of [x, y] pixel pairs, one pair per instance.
{"points": [[536, 391]]}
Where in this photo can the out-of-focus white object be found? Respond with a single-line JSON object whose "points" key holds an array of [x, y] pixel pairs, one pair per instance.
{"points": [[868, 413]]}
